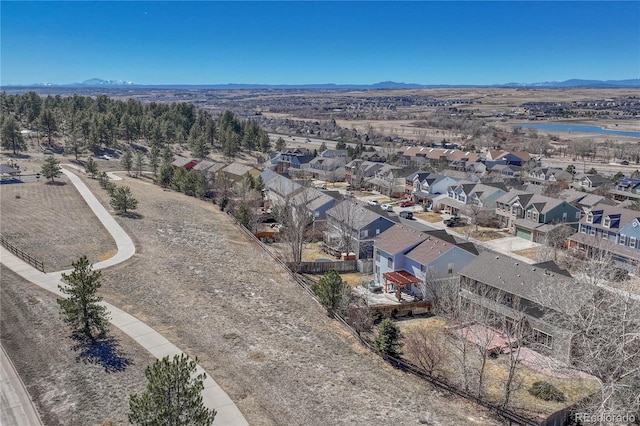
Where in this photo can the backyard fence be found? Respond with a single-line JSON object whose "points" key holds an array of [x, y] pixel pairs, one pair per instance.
{"points": [[22, 255], [322, 267], [509, 416]]}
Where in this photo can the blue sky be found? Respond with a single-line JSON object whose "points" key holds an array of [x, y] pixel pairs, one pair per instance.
{"points": [[339, 42]]}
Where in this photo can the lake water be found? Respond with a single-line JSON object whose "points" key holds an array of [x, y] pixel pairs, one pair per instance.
{"points": [[579, 128]]}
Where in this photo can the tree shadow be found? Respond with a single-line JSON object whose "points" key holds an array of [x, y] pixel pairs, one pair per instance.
{"points": [[56, 183], [101, 350], [131, 215]]}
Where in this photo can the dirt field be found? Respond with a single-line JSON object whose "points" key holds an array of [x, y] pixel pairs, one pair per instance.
{"points": [[213, 293], [67, 389]]}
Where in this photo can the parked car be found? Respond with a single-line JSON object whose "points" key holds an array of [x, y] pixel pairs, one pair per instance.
{"points": [[406, 203], [387, 207], [455, 221], [373, 203], [406, 215]]}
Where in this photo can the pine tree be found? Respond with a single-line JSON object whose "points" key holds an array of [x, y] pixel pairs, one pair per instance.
{"points": [[388, 339], [81, 309], [126, 161], [91, 167], [154, 159], [331, 290], [11, 137], [51, 168], [122, 200], [139, 160], [173, 396]]}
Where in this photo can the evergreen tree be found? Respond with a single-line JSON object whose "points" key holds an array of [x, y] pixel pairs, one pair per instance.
{"points": [[166, 175], [122, 200], [331, 290], [91, 167], [73, 144], [11, 136], [388, 339], [280, 145], [126, 161], [341, 145], [265, 142], [323, 147], [199, 147], [47, 121], [167, 155], [82, 309], [51, 168], [154, 159], [139, 162], [173, 396]]}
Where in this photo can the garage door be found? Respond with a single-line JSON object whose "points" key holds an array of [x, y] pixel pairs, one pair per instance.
{"points": [[523, 233]]}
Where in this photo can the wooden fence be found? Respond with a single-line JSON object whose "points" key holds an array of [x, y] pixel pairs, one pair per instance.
{"points": [[22, 255], [509, 416], [322, 267]]}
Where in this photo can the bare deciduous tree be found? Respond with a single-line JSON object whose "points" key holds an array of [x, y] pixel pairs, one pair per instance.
{"points": [[427, 348]]}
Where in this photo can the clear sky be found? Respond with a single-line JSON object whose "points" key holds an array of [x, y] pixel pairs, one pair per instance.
{"points": [[290, 42]]}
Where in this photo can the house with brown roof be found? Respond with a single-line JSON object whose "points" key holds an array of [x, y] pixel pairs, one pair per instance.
{"points": [[404, 257]]}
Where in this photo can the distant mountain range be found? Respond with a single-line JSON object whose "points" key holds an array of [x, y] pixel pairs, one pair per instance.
{"points": [[97, 82]]}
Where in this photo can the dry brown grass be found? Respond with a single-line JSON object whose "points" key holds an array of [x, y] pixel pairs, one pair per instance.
{"points": [[53, 224], [497, 371], [428, 216], [212, 291]]}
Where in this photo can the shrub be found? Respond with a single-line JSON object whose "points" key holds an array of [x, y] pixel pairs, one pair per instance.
{"points": [[547, 392]]}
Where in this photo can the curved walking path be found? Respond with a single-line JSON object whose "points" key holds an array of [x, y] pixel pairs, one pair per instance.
{"points": [[213, 396]]}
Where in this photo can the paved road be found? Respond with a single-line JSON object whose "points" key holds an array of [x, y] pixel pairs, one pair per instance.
{"points": [[147, 337], [16, 407]]}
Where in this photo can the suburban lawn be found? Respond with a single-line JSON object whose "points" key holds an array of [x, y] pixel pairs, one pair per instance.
{"points": [[212, 291]]}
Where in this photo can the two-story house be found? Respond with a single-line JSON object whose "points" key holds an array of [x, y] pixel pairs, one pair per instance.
{"points": [[353, 226], [532, 216], [405, 257], [279, 190], [389, 180], [513, 290], [547, 176], [358, 171], [464, 197], [590, 182], [612, 230], [289, 162], [626, 189]]}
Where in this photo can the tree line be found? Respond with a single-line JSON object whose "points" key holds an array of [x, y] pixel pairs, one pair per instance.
{"points": [[95, 123]]}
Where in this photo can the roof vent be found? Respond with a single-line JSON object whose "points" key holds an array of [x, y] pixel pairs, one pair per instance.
{"points": [[497, 257], [533, 269], [517, 264]]}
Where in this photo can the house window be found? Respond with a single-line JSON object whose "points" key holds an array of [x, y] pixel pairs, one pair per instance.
{"points": [[542, 338], [583, 229], [377, 232], [534, 216], [632, 242], [589, 217], [605, 235], [528, 214], [378, 256], [577, 215], [623, 239], [423, 268], [450, 269], [593, 232], [564, 216], [390, 262], [607, 222], [365, 233]]}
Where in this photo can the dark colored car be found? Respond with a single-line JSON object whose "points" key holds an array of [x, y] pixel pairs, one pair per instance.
{"points": [[455, 221], [406, 215]]}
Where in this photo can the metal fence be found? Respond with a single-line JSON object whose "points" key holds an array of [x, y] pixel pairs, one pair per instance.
{"points": [[322, 267], [22, 255]]}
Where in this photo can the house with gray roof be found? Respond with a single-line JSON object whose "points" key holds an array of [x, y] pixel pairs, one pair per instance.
{"points": [[462, 198], [405, 257], [547, 176], [278, 189], [353, 226], [513, 289], [614, 230], [235, 171], [542, 215]]}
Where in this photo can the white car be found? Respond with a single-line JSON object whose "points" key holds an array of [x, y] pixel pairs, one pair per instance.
{"points": [[373, 203], [387, 207]]}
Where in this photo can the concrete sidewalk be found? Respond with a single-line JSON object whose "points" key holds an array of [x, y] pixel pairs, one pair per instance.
{"points": [[213, 396]]}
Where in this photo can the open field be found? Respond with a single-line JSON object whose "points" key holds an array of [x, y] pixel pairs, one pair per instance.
{"points": [[33, 211], [67, 388], [206, 287]]}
